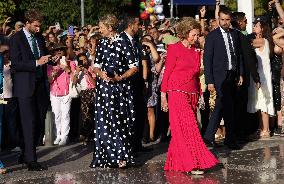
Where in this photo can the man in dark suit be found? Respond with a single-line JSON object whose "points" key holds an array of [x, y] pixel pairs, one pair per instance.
{"points": [[130, 25], [222, 72], [246, 123], [27, 60]]}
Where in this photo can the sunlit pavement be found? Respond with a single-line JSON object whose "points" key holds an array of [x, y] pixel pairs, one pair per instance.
{"points": [[258, 162]]}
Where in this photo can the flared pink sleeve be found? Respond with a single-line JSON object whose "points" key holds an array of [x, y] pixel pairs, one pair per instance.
{"points": [[169, 66]]}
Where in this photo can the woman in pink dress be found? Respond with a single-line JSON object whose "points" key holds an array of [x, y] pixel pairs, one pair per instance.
{"points": [[179, 94]]}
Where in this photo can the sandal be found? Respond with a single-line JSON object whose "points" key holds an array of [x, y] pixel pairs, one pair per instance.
{"points": [[122, 164], [264, 135]]}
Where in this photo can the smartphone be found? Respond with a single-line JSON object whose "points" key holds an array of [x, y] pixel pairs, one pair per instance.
{"points": [[63, 61], [57, 26], [81, 41], [71, 30], [197, 17]]}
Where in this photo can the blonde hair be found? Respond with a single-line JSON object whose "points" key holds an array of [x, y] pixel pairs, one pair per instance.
{"points": [[110, 21], [185, 25]]}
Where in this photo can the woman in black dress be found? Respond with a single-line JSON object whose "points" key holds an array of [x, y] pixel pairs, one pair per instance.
{"points": [[114, 114], [276, 66]]}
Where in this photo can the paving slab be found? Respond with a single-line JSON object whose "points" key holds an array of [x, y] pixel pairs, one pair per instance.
{"points": [[260, 161]]}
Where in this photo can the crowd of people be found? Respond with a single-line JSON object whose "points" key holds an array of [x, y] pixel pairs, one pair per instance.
{"points": [[193, 82]]}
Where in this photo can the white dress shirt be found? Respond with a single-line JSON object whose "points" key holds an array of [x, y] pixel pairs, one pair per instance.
{"points": [[224, 33]]}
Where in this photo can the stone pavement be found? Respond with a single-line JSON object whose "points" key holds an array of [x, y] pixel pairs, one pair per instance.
{"points": [[258, 162]]}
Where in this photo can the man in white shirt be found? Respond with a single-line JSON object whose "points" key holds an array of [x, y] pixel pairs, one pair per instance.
{"points": [[27, 57]]}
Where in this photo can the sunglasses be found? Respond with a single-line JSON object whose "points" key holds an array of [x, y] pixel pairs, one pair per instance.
{"points": [[76, 49]]}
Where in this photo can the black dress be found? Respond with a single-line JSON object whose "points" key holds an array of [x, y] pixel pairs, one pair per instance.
{"points": [[114, 109], [276, 66]]}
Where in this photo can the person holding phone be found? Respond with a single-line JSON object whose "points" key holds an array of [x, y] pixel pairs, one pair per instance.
{"points": [[28, 58], [59, 77], [153, 59], [85, 76]]}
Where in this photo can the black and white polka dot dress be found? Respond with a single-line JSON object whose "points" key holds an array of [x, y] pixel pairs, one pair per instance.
{"points": [[114, 110]]}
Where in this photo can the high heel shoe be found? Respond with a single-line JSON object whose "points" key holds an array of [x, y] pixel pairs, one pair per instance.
{"points": [[264, 135]]}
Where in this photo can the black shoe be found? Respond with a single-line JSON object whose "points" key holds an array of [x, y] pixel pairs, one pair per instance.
{"points": [[142, 149], [211, 144], [21, 159], [277, 132], [35, 166], [233, 146], [145, 149]]}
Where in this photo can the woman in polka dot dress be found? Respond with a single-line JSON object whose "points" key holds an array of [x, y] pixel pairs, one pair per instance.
{"points": [[114, 114]]}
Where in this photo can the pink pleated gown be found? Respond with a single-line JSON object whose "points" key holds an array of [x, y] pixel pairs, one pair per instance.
{"points": [[187, 150]]}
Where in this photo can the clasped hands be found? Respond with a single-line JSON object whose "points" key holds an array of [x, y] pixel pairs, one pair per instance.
{"points": [[103, 75]]}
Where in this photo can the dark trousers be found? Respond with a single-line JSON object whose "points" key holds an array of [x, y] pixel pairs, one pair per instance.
{"points": [[27, 113], [42, 103], [162, 121], [140, 108], [11, 124], [75, 119], [224, 108], [205, 113]]}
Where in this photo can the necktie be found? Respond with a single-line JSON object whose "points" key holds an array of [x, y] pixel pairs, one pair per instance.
{"points": [[233, 56], [39, 72], [34, 47]]}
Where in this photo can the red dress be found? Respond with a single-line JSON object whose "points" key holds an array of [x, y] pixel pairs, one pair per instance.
{"points": [[187, 150]]}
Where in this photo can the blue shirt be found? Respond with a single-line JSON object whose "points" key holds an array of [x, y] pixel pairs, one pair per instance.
{"points": [[29, 38]]}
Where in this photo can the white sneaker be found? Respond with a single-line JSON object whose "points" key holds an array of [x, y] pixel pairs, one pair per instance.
{"points": [[57, 140], [62, 142]]}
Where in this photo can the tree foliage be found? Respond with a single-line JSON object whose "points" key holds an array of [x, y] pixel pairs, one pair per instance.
{"points": [[68, 12], [232, 4], [260, 6], [7, 8]]}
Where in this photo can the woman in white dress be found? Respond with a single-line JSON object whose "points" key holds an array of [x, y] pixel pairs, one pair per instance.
{"points": [[261, 100]]}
